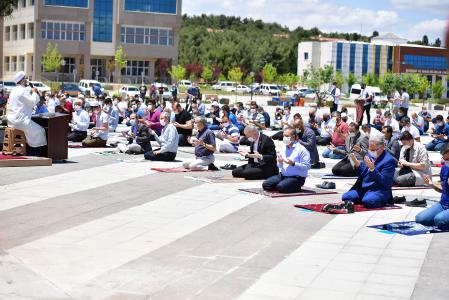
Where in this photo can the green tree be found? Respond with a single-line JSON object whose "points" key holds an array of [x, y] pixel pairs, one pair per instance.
{"points": [[315, 81], [7, 7], [207, 74], [437, 89], [327, 74], [177, 73], [388, 83], [222, 77], [269, 73], [51, 60], [425, 40], [291, 79], [437, 43], [422, 87], [370, 79], [235, 74], [120, 58], [339, 79], [350, 81]]}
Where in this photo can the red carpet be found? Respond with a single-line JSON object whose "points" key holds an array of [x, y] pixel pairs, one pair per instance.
{"points": [[357, 207], [303, 192], [4, 157]]}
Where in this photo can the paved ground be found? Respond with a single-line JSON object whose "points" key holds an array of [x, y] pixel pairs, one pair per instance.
{"points": [[107, 227]]}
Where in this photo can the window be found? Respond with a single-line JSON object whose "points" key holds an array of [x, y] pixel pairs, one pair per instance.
{"points": [[22, 31], [151, 6], [7, 63], [63, 31], [14, 32], [31, 2], [69, 65], [31, 30], [136, 68], [21, 63], [7, 33], [23, 3], [426, 62], [147, 36], [69, 3], [306, 55], [14, 64], [102, 24]]}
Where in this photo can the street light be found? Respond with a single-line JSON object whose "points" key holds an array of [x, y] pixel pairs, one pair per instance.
{"points": [[252, 84]]}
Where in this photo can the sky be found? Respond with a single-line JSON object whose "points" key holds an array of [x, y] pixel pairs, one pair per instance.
{"points": [[410, 19]]}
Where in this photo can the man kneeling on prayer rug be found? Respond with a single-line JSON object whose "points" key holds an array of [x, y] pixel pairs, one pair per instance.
{"points": [[373, 187], [294, 162]]}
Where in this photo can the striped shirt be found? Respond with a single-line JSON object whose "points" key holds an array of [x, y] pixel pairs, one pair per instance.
{"points": [[232, 131]]}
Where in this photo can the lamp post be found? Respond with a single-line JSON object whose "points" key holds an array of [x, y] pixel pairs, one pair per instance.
{"points": [[63, 62], [252, 84]]}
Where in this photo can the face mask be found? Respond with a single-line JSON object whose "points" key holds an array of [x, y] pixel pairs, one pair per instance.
{"points": [[253, 111], [132, 122], [134, 107], [150, 107], [325, 119], [287, 141], [406, 147], [106, 109], [298, 131], [115, 102], [373, 154], [251, 139], [400, 114], [226, 124], [352, 134], [407, 128], [440, 124], [162, 123], [446, 163], [424, 112], [77, 108]]}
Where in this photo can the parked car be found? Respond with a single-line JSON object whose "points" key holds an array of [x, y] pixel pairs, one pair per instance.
{"points": [[129, 91], [7, 85], [72, 89], [241, 89], [167, 94], [297, 92], [42, 88], [224, 86], [284, 88], [185, 83], [85, 85], [270, 89]]}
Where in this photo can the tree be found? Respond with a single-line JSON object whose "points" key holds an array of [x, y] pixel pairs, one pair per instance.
{"points": [[425, 40], [388, 83], [339, 79], [235, 74], [120, 58], [291, 79], [370, 79], [207, 74], [316, 80], [7, 7], [422, 87], [51, 60], [327, 73], [375, 33], [437, 89], [350, 80], [437, 43], [269, 73], [177, 73]]}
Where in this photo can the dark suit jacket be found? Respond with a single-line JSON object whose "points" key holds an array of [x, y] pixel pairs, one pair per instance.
{"points": [[267, 149], [308, 140], [394, 148], [142, 137]]}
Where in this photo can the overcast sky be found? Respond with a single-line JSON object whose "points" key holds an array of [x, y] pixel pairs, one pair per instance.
{"points": [[408, 18]]}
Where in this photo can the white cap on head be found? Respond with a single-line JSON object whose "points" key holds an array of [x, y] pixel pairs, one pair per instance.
{"points": [[94, 104], [343, 115], [19, 76], [215, 103], [80, 96]]}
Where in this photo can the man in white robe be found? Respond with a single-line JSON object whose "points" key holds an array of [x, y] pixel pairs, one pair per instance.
{"points": [[21, 102]]}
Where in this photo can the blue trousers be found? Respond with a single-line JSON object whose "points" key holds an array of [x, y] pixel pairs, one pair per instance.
{"points": [[284, 185], [436, 215], [213, 127], [370, 199], [435, 145], [327, 153]]}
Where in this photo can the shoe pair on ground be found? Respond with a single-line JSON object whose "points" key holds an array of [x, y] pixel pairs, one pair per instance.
{"points": [[318, 165], [229, 167], [414, 203], [343, 207], [327, 185]]}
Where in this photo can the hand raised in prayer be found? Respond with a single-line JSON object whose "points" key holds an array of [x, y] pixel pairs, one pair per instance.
{"points": [[402, 163], [331, 147], [243, 153], [280, 159], [354, 159], [357, 148], [289, 162], [369, 163], [427, 180]]}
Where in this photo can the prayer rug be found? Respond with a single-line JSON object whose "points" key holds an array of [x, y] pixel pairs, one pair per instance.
{"points": [[6, 157], [75, 146], [404, 188], [304, 192], [217, 178], [332, 176], [176, 170], [409, 228], [357, 207]]}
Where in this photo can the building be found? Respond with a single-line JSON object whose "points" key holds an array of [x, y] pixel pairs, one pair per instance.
{"points": [[87, 34], [377, 59]]}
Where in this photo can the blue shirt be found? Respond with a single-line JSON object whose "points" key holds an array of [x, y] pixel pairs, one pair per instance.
{"points": [[297, 153], [442, 130], [444, 176], [208, 137], [41, 109]]}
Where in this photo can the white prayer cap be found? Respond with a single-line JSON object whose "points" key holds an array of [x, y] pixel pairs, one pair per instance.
{"points": [[94, 103], [215, 103], [80, 96], [19, 76], [344, 115]]}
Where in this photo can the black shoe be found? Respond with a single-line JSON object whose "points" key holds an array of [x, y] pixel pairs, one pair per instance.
{"points": [[322, 185], [327, 185], [323, 165], [333, 206], [212, 167], [416, 203], [229, 167], [345, 208], [399, 200], [318, 165]]}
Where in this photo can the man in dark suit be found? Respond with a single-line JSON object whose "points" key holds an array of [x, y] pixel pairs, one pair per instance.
{"points": [[261, 158]]}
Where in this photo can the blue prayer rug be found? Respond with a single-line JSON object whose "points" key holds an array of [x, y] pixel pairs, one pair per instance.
{"points": [[407, 228]]}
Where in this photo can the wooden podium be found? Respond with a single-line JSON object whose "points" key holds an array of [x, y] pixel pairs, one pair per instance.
{"points": [[57, 128]]}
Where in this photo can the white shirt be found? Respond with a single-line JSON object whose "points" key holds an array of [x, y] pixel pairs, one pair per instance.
{"points": [[336, 95], [405, 100], [80, 120], [256, 147], [52, 103], [287, 119], [102, 120], [413, 131], [397, 99], [365, 94], [331, 125], [394, 125]]}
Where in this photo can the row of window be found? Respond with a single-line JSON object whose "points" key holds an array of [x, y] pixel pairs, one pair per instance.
{"points": [[70, 3], [147, 36], [14, 63], [426, 62], [136, 68], [63, 31], [102, 26], [19, 32], [23, 3], [154, 6]]}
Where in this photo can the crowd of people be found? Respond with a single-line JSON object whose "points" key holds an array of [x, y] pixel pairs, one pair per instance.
{"points": [[380, 154]]}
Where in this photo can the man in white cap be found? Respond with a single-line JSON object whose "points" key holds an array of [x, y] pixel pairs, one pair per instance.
{"points": [[21, 103]]}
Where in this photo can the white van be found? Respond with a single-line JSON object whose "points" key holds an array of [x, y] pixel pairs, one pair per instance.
{"points": [[85, 85], [225, 86], [378, 98], [185, 83], [270, 89]]}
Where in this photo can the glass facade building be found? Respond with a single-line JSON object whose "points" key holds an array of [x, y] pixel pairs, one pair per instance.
{"points": [[151, 6], [69, 3], [103, 19], [426, 62]]}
